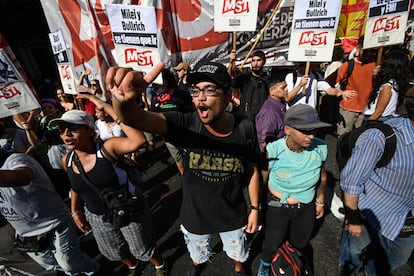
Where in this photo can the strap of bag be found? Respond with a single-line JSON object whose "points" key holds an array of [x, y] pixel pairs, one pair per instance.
{"points": [[83, 173]]}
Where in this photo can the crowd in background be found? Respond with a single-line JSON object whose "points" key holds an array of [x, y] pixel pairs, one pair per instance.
{"points": [[290, 110]]}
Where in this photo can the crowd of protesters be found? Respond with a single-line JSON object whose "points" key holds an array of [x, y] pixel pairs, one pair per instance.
{"points": [[230, 133]]}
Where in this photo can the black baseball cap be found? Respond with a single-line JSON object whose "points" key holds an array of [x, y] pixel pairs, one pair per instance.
{"points": [[210, 71]]}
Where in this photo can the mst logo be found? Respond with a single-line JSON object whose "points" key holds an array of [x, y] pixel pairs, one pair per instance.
{"points": [[143, 58], [385, 24], [235, 6], [313, 38]]}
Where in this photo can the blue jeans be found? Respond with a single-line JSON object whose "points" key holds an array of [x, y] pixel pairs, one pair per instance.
{"points": [[64, 252], [234, 244], [387, 256]]}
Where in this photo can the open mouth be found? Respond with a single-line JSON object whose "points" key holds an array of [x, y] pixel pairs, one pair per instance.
{"points": [[203, 111]]}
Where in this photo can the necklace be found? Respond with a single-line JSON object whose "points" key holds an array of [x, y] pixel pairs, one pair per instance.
{"points": [[292, 147], [109, 128], [295, 157]]}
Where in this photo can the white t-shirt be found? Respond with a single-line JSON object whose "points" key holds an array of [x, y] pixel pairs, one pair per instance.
{"points": [[105, 132], [35, 208], [317, 85], [392, 104]]}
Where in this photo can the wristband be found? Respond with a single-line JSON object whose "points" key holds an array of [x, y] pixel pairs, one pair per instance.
{"points": [[254, 207], [75, 213], [320, 203]]}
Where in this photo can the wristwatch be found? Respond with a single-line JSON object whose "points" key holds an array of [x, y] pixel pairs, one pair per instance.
{"points": [[255, 207]]}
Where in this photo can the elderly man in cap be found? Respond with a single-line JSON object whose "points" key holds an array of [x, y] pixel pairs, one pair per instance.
{"points": [[296, 183], [378, 235], [219, 159], [182, 70]]}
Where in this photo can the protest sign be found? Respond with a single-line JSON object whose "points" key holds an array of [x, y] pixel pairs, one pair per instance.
{"points": [[235, 15], [313, 30], [386, 23], [134, 29], [15, 95], [67, 78]]}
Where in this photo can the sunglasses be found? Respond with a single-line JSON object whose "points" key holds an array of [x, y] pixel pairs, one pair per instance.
{"points": [[307, 132], [73, 128]]}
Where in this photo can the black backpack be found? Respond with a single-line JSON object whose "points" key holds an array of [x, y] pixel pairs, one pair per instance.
{"points": [[288, 261], [346, 143]]}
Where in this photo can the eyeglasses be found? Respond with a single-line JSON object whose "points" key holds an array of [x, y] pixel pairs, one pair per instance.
{"points": [[179, 70], [208, 91], [73, 128]]}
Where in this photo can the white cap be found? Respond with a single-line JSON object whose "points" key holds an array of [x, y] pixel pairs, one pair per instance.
{"points": [[78, 117]]}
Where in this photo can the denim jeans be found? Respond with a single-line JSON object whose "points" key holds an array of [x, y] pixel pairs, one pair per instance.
{"points": [[234, 244], [385, 255], [64, 253]]}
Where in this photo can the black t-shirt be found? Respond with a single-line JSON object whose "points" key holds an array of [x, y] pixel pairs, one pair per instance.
{"points": [[213, 179], [253, 93]]}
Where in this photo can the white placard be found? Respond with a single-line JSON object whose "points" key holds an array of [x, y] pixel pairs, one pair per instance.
{"points": [[235, 15], [386, 23], [314, 30], [133, 25], [67, 79]]}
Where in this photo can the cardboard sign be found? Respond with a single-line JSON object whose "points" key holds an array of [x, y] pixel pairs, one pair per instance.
{"points": [[235, 15], [313, 30], [386, 23], [134, 29]]}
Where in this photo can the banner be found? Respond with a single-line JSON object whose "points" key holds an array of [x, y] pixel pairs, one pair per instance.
{"points": [[134, 29], [235, 15], [86, 33], [314, 30], [352, 22], [386, 23]]}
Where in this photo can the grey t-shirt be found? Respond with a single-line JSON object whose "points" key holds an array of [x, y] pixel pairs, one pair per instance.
{"points": [[35, 208]]}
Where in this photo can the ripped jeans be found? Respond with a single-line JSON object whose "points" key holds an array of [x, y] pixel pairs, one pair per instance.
{"points": [[234, 244]]}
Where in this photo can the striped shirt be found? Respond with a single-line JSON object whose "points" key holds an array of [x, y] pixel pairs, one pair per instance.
{"points": [[386, 195]]}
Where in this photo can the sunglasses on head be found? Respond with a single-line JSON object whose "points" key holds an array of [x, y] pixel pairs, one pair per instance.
{"points": [[71, 127]]}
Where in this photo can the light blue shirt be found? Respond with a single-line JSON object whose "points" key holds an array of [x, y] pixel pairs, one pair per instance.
{"points": [[296, 174], [386, 194]]}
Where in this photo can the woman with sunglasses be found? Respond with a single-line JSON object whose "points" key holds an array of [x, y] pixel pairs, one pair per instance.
{"points": [[132, 243], [296, 183]]}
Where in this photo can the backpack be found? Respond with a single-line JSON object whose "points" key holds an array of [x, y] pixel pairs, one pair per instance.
{"points": [[288, 261], [346, 143], [344, 82]]}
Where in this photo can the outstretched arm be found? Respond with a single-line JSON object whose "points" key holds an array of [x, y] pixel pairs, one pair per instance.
{"points": [[81, 79], [126, 87], [117, 145]]}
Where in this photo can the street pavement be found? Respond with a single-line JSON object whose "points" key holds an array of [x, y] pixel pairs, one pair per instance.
{"points": [[162, 185]]}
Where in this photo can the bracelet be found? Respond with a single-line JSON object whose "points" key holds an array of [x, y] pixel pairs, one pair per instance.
{"points": [[320, 203], [117, 121], [257, 208], [75, 213]]}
